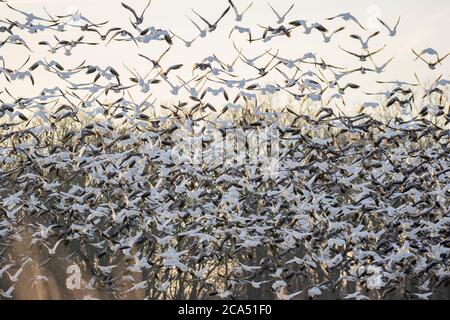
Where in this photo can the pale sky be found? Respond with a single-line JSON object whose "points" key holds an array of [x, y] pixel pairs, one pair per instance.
{"points": [[423, 24]]}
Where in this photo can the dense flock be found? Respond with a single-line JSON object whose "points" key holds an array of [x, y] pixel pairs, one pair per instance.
{"points": [[219, 194]]}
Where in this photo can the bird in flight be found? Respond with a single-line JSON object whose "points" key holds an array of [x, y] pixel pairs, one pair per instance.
{"points": [[363, 56], [392, 31], [238, 15], [8, 293], [431, 64], [364, 43], [213, 26], [280, 17], [347, 17]]}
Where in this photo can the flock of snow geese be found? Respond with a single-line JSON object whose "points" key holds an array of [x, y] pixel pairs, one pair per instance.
{"points": [[202, 199]]}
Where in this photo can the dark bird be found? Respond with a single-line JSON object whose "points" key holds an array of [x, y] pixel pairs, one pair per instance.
{"points": [[392, 31], [212, 27], [239, 16], [138, 19], [431, 64]]}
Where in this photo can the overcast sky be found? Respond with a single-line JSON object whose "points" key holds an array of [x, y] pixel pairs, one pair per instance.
{"points": [[423, 24]]}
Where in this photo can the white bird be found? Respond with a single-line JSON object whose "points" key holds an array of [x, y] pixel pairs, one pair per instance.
{"points": [[279, 284], [380, 68], [425, 286], [164, 286], [392, 31], [44, 231], [138, 286], [241, 30], [315, 291], [257, 284], [347, 17], [200, 273], [13, 199], [424, 296], [90, 284], [187, 43], [283, 296], [202, 32], [327, 37], [364, 43], [356, 296], [239, 16]]}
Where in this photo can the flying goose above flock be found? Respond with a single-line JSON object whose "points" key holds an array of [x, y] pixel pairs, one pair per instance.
{"points": [[139, 19], [239, 15], [281, 17]]}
